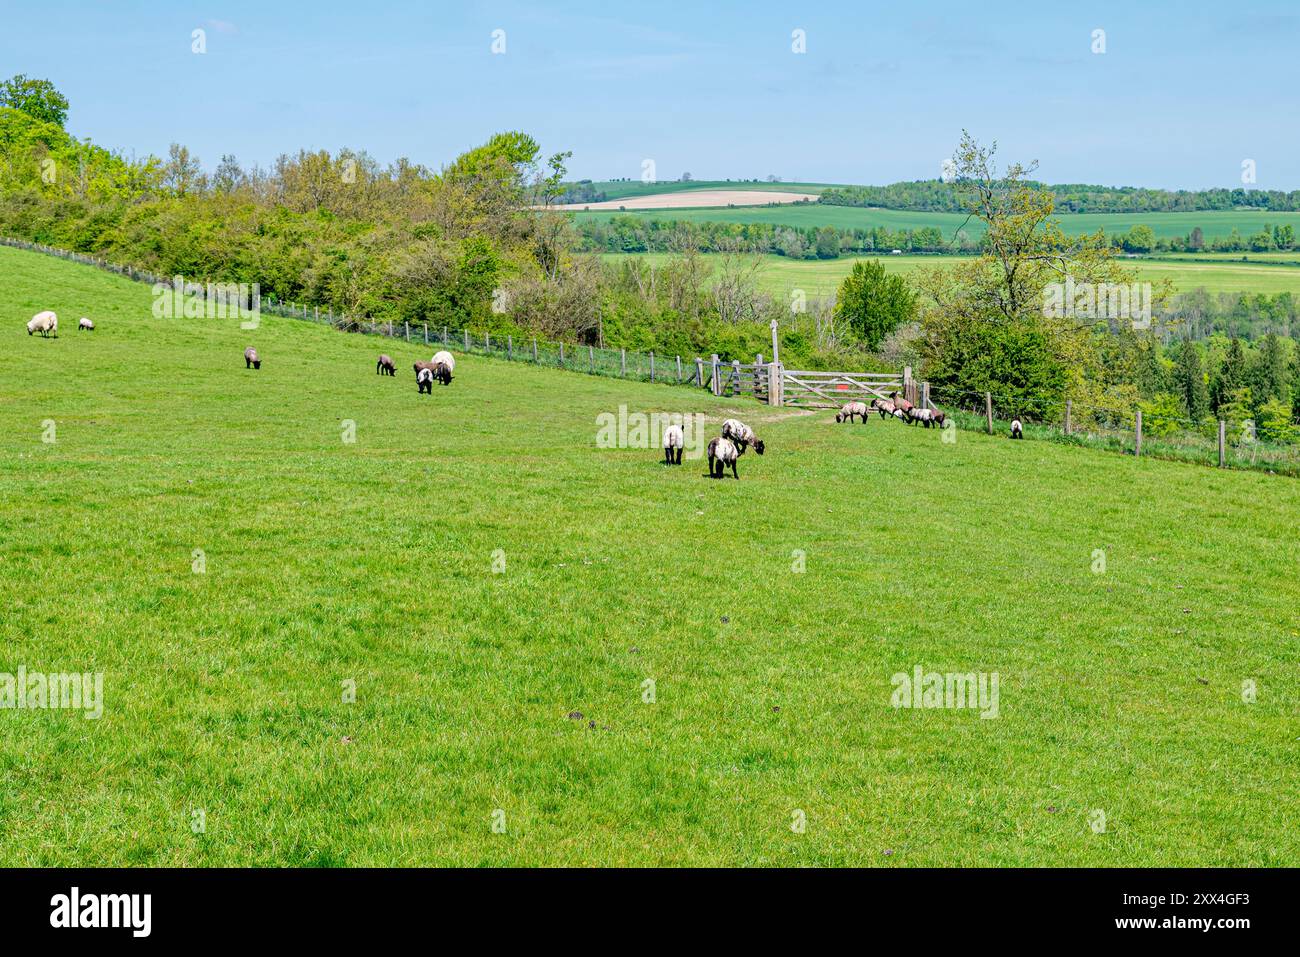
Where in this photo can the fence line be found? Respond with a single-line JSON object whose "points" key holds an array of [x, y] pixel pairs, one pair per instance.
{"points": [[723, 378]]}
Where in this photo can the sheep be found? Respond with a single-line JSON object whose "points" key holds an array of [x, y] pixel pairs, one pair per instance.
{"points": [[851, 409], [385, 366], [251, 361], [421, 365], [900, 403], [85, 324], [44, 323], [424, 381], [722, 452], [742, 435], [444, 364], [884, 407], [674, 442], [1017, 430]]}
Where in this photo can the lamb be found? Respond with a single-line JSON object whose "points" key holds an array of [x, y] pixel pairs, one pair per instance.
{"points": [[742, 435], [421, 365], [1017, 430], [884, 407], [851, 409], [722, 452], [674, 442], [424, 381], [44, 323], [901, 404], [251, 361], [444, 364], [926, 417], [85, 324], [385, 366]]}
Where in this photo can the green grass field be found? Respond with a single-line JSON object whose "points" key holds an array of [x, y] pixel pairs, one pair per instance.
{"points": [[822, 277], [1120, 692], [805, 215]]}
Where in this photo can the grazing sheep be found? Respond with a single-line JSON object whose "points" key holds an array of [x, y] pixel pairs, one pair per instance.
{"points": [[85, 324], [851, 409], [722, 452], [251, 361], [900, 403], [424, 381], [385, 366], [926, 417], [742, 435], [1017, 430], [421, 365], [444, 364], [44, 323], [674, 442], [885, 407]]}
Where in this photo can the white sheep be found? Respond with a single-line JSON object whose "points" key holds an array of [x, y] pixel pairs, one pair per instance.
{"points": [[742, 435], [251, 359], [674, 442], [424, 381], [1017, 430], [444, 364], [85, 324], [722, 452], [851, 409], [44, 323]]}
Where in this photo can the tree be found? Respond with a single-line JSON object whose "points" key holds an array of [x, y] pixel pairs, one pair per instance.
{"points": [[1269, 372], [1196, 241], [828, 243], [36, 98], [874, 303], [1274, 424], [1190, 381], [181, 173], [1230, 376], [1140, 239]]}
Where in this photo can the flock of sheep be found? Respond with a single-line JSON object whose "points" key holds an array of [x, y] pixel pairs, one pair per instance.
{"points": [[896, 406], [47, 322], [725, 450]]}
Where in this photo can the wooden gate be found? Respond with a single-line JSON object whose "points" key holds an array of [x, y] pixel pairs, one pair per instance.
{"points": [[830, 390]]}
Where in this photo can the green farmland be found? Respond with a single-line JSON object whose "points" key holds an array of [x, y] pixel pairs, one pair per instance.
{"points": [[821, 277], [809, 215], [498, 590]]}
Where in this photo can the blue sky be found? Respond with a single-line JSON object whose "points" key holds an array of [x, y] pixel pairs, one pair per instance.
{"points": [[1183, 94]]}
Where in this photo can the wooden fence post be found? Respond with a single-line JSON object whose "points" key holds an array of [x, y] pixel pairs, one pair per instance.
{"points": [[426, 333], [444, 335], [591, 360], [775, 387], [1223, 427], [988, 411], [699, 372], [487, 342], [679, 370], [534, 348], [715, 384], [510, 346], [1069, 405], [622, 362], [407, 326], [561, 353], [1137, 434], [467, 340], [925, 395], [652, 367], [907, 384]]}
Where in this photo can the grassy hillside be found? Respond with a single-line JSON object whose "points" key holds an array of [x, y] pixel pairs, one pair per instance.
{"points": [[804, 215], [1120, 692], [822, 277]]}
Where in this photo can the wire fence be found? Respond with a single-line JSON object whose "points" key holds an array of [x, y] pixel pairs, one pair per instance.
{"points": [[695, 371]]}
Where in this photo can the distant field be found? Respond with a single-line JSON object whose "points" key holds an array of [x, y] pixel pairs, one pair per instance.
{"points": [[1214, 224], [699, 197], [618, 189], [779, 275]]}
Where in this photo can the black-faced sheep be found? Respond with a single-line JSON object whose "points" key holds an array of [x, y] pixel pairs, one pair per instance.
{"points": [[420, 365], [900, 403], [44, 323], [851, 409], [926, 417], [1017, 430], [251, 360], [883, 406], [444, 364], [85, 324], [674, 442], [424, 381], [385, 366], [742, 435], [722, 452]]}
